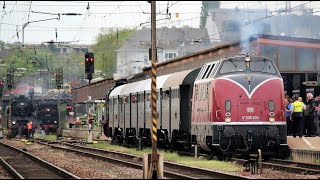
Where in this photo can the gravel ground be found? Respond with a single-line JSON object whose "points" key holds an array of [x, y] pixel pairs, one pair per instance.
{"points": [[83, 167], [89, 168], [272, 174], [4, 174]]}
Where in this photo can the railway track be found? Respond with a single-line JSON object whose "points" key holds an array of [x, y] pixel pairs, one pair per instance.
{"points": [[276, 164], [171, 170], [22, 165], [288, 166]]}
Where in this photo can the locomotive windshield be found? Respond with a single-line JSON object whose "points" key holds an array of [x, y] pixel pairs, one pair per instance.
{"points": [[238, 64], [263, 65], [233, 65]]}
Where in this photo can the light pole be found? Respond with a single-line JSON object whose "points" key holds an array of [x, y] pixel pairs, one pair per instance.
{"points": [[27, 23]]}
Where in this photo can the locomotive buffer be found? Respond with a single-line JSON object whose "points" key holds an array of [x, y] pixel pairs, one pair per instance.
{"points": [[153, 163]]}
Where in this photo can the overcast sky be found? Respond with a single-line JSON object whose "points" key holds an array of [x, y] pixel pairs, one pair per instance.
{"points": [[101, 14]]}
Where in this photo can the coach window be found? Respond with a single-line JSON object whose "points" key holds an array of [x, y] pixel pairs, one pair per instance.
{"points": [[167, 93]]}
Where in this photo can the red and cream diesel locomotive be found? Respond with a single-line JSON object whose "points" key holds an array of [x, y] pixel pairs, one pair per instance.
{"points": [[238, 107], [233, 105]]}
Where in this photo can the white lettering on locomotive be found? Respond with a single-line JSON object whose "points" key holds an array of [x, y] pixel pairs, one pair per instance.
{"points": [[250, 117]]}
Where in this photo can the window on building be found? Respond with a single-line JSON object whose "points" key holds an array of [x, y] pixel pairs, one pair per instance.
{"points": [[318, 60], [146, 59], [269, 52], [305, 59], [169, 56], [286, 58]]}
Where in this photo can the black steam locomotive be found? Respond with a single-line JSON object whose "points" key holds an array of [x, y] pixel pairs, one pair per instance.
{"points": [[22, 111], [47, 115]]}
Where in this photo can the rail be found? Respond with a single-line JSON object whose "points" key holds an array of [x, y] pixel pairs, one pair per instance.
{"points": [[171, 170], [18, 163]]}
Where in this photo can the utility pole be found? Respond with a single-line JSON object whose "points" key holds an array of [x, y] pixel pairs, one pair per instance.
{"points": [[153, 164], [27, 23]]}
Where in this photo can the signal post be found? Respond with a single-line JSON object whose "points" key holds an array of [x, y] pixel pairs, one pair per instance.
{"points": [[153, 163], [59, 83], [10, 83]]}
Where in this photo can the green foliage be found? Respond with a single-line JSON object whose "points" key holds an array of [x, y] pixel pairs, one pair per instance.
{"points": [[107, 42], [50, 137], [52, 47], [44, 58], [206, 5], [173, 157]]}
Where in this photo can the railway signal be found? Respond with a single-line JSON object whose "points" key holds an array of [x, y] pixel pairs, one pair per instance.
{"points": [[1, 88], [10, 80], [89, 76], [59, 78], [89, 62], [69, 108]]}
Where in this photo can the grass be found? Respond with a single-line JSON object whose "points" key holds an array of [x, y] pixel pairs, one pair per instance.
{"points": [[50, 137], [173, 157]]}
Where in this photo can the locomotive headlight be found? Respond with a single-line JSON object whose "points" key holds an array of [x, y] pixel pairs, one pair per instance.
{"points": [[55, 122], [247, 58], [271, 114], [13, 122], [272, 119], [227, 119]]}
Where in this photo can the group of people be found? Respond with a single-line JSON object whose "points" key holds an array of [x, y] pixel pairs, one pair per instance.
{"points": [[303, 117]]}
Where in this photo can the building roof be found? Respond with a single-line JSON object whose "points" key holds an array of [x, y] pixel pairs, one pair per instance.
{"points": [[168, 38], [4, 52]]}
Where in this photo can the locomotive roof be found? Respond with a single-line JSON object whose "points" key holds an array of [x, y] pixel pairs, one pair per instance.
{"points": [[165, 81], [244, 55]]}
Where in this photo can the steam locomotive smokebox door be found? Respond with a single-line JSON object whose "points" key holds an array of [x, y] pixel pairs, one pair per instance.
{"points": [[89, 137]]}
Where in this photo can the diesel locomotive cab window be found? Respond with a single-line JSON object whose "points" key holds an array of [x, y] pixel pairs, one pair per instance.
{"points": [[264, 66], [233, 65]]}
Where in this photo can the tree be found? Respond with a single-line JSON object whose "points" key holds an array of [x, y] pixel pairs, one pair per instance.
{"points": [[206, 5], [52, 47], [107, 42]]}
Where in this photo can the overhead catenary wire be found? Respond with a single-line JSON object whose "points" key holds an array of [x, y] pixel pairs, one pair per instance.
{"points": [[29, 11], [97, 28], [62, 28], [257, 20]]}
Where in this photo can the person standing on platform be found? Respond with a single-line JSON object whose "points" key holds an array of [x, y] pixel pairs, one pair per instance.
{"points": [[309, 115], [317, 115], [297, 117], [288, 114]]}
